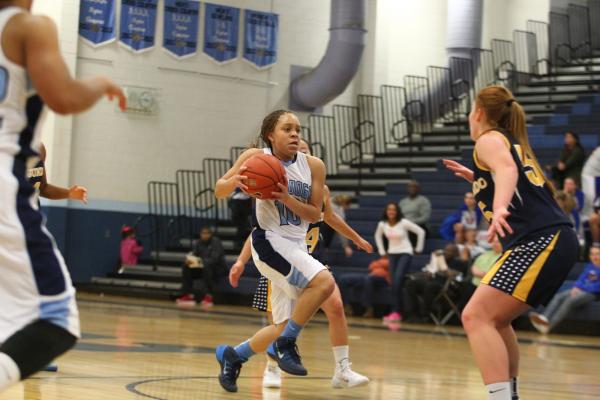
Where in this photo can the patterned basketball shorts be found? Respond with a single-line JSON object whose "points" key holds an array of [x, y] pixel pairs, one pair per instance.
{"points": [[261, 299], [533, 269]]}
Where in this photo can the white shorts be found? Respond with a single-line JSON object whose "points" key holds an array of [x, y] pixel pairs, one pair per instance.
{"points": [[289, 267], [34, 280]]}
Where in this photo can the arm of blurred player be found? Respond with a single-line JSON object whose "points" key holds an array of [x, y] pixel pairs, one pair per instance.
{"points": [[52, 192], [237, 269], [50, 75], [339, 225]]}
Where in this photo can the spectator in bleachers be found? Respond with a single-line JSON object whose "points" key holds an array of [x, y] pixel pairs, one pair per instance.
{"points": [[395, 228], [568, 204], [589, 175], [570, 187], [585, 290], [206, 262], [340, 204], [240, 205], [471, 248], [379, 278], [130, 248], [423, 287], [468, 216], [591, 207], [570, 162], [416, 208], [482, 264]]}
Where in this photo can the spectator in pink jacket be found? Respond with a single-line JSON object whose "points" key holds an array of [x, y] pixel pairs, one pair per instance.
{"points": [[130, 248]]}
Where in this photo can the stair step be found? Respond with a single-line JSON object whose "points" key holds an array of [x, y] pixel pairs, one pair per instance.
{"points": [[137, 283]]}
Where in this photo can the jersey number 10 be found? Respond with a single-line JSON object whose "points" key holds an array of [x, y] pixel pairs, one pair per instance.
{"points": [[286, 216]]}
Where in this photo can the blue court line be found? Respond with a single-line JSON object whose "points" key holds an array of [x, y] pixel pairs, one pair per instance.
{"points": [[256, 321]]}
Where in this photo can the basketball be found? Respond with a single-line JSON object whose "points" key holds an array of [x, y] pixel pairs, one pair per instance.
{"points": [[263, 173]]}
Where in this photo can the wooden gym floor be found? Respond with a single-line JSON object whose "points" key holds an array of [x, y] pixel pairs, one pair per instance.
{"points": [[140, 349]]}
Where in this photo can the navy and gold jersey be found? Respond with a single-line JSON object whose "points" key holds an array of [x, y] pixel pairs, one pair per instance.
{"points": [[532, 207], [36, 174], [314, 240]]}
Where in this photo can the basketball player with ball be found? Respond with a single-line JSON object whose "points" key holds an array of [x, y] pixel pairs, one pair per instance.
{"points": [[300, 284]]}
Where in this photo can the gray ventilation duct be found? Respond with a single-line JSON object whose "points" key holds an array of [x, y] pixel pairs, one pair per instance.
{"points": [[464, 27], [340, 62]]}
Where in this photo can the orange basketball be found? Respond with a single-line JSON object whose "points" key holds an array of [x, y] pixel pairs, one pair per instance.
{"points": [[263, 173]]}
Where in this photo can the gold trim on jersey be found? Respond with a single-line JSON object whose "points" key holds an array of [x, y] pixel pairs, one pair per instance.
{"points": [[476, 160], [479, 165], [490, 275], [525, 284]]}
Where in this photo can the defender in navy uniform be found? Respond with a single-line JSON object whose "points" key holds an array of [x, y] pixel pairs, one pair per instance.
{"points": [[540, 245], [35, 110], [343, 376]]}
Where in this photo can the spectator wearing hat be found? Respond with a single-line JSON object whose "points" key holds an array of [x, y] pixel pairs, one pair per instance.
{"points": [[130, 248]]}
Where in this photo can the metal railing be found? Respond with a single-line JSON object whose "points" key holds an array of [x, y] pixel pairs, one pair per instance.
{"points": [[543, 64], [163, 205], [579, 31], [418, 107], [217, 209], [594, 13], [353, 137]]}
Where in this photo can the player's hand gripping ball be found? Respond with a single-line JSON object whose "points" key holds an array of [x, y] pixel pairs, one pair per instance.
{"points": [[263, 172]]}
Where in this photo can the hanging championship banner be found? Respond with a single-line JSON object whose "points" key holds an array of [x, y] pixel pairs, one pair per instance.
{"points": [[97, 21], [221, 31], [260, 38], [180, 32], [138, 24]]}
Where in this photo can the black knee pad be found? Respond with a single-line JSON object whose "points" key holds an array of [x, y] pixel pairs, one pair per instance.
{"points": [[35, 346]]}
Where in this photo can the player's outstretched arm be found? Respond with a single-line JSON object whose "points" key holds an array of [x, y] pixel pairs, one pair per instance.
{"points": [[232, 178], [52, 192], [50, 75], [237, 269], [332, 219], [459, 170]]}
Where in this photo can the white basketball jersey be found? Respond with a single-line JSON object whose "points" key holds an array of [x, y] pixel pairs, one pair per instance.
{"points": [[13, 95], [277, 218]]}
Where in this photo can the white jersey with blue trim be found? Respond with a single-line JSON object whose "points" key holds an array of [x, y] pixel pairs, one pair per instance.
{"points": [[273, 216], [13, 95]]}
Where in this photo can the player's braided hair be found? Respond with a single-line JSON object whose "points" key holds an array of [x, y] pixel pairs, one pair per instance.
{"points": [[268, 126]]}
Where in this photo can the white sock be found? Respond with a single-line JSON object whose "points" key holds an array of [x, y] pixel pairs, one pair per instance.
{"points": [[514, 387], [499, 391], [271, 363], [341, 353], [9, 372]]}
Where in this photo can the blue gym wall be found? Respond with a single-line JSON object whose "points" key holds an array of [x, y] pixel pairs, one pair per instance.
{"points": [[89, 239]]}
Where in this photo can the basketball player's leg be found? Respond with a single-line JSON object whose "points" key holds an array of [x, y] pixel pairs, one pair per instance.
{"points": [[512, 346], [318, 290], [34, 330], [31, 349], [304, 280], [333, 308], [231, 358], [40, 320], [488, 313], [338, 335]]}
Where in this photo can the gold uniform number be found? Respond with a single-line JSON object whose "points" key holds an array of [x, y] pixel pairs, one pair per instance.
{"points": [[312, 238], [533, 173]]}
